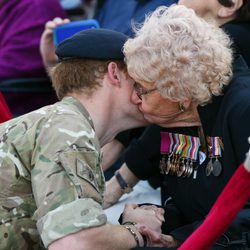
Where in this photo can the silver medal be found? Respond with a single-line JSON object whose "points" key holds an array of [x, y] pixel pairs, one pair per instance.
{"points": [[209, 167], [217, 168]]}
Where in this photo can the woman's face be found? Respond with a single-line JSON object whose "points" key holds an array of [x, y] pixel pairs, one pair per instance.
{"points": [[155, 108]]}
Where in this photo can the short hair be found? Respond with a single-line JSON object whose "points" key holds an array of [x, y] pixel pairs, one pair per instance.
{"points": [[79, 75], [185, 56], [242, 14]]}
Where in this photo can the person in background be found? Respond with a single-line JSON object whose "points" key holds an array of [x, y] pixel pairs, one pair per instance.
{"points": [[5, 114], [231, 200], [51, 181], [121, 15], [232, 16], [22, 24], [193, 188]]}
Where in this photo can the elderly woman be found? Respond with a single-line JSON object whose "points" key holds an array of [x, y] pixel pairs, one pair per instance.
{"points": [[181, 69]]}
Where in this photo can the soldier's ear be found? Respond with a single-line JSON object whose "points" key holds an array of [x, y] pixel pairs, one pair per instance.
{"points": [[114, 73], [230, 12]]}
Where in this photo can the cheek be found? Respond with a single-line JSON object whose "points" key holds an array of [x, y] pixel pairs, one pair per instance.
{"points": [[150, 103], [153, 108], [158, 107]]}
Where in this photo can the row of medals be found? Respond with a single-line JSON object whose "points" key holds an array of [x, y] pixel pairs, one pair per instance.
{"points": [[175, 165], [182, 167]]}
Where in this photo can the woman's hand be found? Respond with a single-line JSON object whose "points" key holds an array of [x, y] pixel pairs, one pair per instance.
{"points": [[113, 193], [148, 216], [113, 188]]}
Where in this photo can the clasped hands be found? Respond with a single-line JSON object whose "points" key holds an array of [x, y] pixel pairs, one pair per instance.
{"points": [[149, 219]]}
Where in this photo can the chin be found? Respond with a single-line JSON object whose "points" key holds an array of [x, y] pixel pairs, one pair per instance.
{"points": [[155, 120], [151, 119]]}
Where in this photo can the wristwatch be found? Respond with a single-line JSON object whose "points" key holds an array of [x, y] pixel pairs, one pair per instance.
{"points": [[123, 184]]}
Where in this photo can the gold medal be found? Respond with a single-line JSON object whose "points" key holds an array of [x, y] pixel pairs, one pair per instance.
{"points": [[181, 168], [163, 165], [173, 165]]}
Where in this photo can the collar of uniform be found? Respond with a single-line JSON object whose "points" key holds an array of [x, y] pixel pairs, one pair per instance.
{"points": [[80, 107]]}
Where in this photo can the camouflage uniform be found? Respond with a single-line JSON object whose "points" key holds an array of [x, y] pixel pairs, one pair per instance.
{"points": [[51, 182]]}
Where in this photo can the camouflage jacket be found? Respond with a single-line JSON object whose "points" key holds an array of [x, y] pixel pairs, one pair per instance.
{"points": [[51, 182]]}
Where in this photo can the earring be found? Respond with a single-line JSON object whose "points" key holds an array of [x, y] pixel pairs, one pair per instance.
{"points": [[181, 107]]}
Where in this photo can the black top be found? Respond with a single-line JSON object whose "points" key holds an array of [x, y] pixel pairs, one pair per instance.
{"points": [[228, 117], [240, 33]]}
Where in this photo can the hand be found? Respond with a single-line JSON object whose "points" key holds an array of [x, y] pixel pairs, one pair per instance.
{"points": [[113, 193], [113, 188], [47, 47], [148, 216], [156, 239]]}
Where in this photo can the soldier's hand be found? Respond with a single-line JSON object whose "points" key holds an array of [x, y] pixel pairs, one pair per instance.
{"points": [[155, 239]]}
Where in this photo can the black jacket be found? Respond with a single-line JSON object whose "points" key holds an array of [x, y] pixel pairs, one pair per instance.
{"points": [[228, 117]]}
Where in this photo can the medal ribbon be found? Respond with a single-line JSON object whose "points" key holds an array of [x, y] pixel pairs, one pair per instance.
{"points": [[165, 142], [216, 146], [186, 148], [195, 144], [183, 145], [180, 144], [214, 143]]}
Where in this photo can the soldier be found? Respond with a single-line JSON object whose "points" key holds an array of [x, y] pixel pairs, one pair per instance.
{"points": [[51, 182]]}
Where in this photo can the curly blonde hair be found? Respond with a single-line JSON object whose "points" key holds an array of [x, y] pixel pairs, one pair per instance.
{"points": [[186, 57]]}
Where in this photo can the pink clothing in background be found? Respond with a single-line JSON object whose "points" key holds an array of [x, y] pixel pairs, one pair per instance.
{"points": [[21, 25]]}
